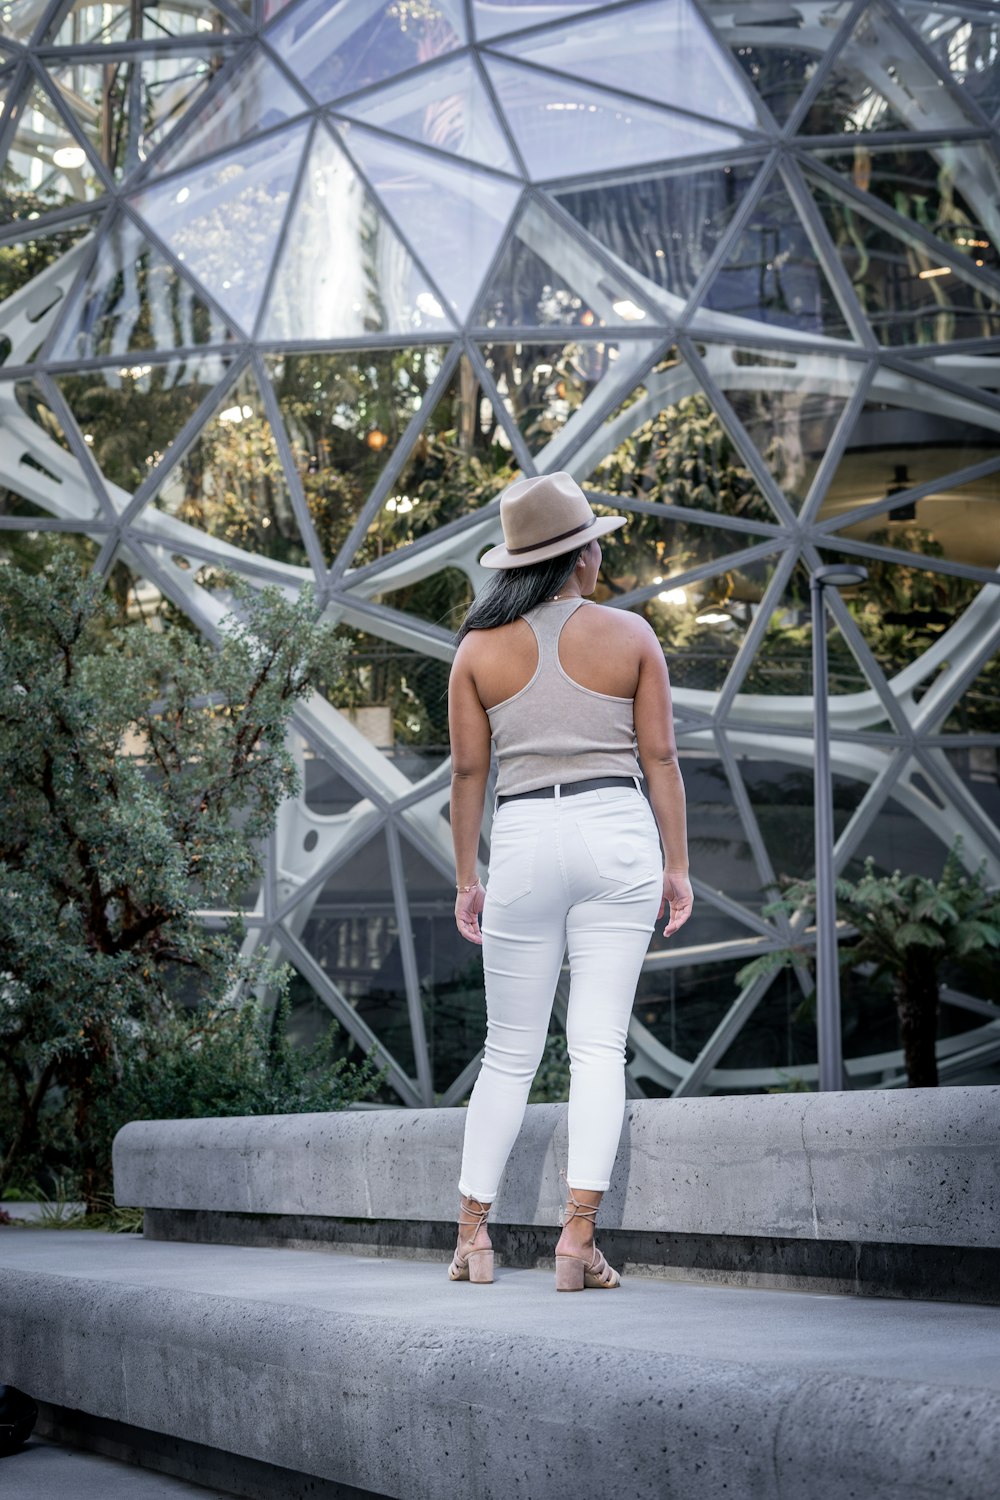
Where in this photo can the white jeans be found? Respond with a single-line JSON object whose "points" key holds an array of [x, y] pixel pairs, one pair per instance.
{"points": [[584, 871]]}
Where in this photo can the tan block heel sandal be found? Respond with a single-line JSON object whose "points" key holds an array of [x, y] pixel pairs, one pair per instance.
{"points": [[468, 1264], [577, 1273]]}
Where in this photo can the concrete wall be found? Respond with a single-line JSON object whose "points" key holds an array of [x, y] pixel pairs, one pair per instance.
{"points": [[904, 1167]]}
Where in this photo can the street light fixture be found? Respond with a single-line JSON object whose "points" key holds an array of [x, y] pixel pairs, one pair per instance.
{"points": [[831, 1065]]}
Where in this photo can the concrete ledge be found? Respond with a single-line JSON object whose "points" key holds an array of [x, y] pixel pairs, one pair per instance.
{"points": [[939, 1273], [386, 1377], [910, 1166]]}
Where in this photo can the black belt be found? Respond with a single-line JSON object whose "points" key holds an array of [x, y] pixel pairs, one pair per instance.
{"points": [[567, 788]]}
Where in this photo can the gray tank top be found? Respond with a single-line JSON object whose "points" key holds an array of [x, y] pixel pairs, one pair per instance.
{"points": [[553, 729]]}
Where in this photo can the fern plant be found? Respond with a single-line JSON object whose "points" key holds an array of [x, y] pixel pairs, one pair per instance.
{"points": [[906, 927]]}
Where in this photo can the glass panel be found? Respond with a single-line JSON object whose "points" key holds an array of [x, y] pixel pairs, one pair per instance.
{"points": [[720, 850], [134, 299], [771, 275], [461, 460], [653, 549], [921, 434], [665, 52], [977, 711], [230, 482], [450, 970], [344, 415], [90, 21], [545, 278], [411, 692], [701, 626], [960, 522], [25, 260], [453, 214], [681, 1007], [344, 271], [933, 186], [46, 166], [102, 96], [258, 97], [551, 390], [902, 611], [563, 127], [779, 1033], [908, 296], [32, 551], [18, 18], [778, 49], [966, 42], [336, 50], [665, 443], [130, 416], [223, 220], [310, 1019], [789, 404], [782, 797], [899, 840], [40, 478], [444, 106], [666, 227], [494, 17], [353, 934], [443, 599]]}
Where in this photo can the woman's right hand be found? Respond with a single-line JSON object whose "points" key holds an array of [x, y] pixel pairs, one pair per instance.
{"points": [[678, 895]]}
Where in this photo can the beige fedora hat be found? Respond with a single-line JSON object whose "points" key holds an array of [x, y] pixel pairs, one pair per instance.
{"points": [[542, 517]]}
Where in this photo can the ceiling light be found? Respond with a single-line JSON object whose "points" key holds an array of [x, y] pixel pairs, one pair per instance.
{"points": [[713, 617], [937, 271], [627, 309], [672, 596], [69, 157], [428, 304], [183, 195]]}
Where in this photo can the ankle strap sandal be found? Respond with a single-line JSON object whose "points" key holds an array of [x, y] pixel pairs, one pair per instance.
{"points": [[576, 1273], [469, 1264]]}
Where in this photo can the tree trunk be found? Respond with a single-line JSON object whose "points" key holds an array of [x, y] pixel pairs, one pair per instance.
{"points": [[917, 989]]}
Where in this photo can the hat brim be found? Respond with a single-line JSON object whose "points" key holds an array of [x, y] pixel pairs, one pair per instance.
{"points": [[499, 557]]}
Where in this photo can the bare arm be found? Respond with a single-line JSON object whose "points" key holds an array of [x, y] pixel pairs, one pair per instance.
{"points": [[469, 730], [654, 731]]}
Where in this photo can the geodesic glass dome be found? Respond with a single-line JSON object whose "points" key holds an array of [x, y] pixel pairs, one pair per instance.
{"points": [[299, 288]]}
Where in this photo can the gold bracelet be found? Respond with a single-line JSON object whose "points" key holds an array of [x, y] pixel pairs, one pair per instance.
{"points": [[471, 887]]}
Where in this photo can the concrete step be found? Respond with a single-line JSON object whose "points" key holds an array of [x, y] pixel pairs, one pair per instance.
{"points": [[380, 1376]]}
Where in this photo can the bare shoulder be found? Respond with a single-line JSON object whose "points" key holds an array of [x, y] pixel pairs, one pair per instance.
{"points": [[624, 628]]}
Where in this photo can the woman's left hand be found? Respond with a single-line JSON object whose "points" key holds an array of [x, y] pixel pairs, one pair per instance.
{"points": [[468, 905]]}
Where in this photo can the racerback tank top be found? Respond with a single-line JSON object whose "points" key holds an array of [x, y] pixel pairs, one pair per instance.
{"points": [[554, 730]]}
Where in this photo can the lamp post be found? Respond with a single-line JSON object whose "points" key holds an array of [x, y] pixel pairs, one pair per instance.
{"points": [[827, 969]]}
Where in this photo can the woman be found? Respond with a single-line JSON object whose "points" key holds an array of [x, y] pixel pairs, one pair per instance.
{"points": [[566, 690]]}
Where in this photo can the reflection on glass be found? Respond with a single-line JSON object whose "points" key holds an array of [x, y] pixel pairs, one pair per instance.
{"points": [[37, 480], [338, 49], [789, 404], [24, 260], [126, 107], [353, 933], [772, 276], [908, 295], [664, 52], [46, 167], [397, 698], [98, 21], [343, 270], [780, 72], [652, 550], [344, 415], [257, 97], [451, 213], [550, 389], [562, 126], [230, 482], [223, 220], [666, 443], [445, 106], [959, 522], [442, 599], [130, 415], [134, 300], [940, 187], [494, 17], [782, 664], [546, 278], [922, 434], [782, 799], [461, 460], [966, 41], [666, 226]]}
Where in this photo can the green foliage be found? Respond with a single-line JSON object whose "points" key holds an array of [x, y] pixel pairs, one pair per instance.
{"points": [[905, 928], [139, 771]]}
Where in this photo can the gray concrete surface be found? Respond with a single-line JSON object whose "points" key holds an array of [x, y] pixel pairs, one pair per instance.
{"points": [[908, 1166], [48, 1471], [385, 1375]]}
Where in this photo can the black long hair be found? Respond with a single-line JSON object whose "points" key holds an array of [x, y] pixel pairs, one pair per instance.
{"points": [[511, 591]]}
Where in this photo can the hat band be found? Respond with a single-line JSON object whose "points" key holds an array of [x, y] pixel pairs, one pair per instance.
{"points": [[534, 546]]}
